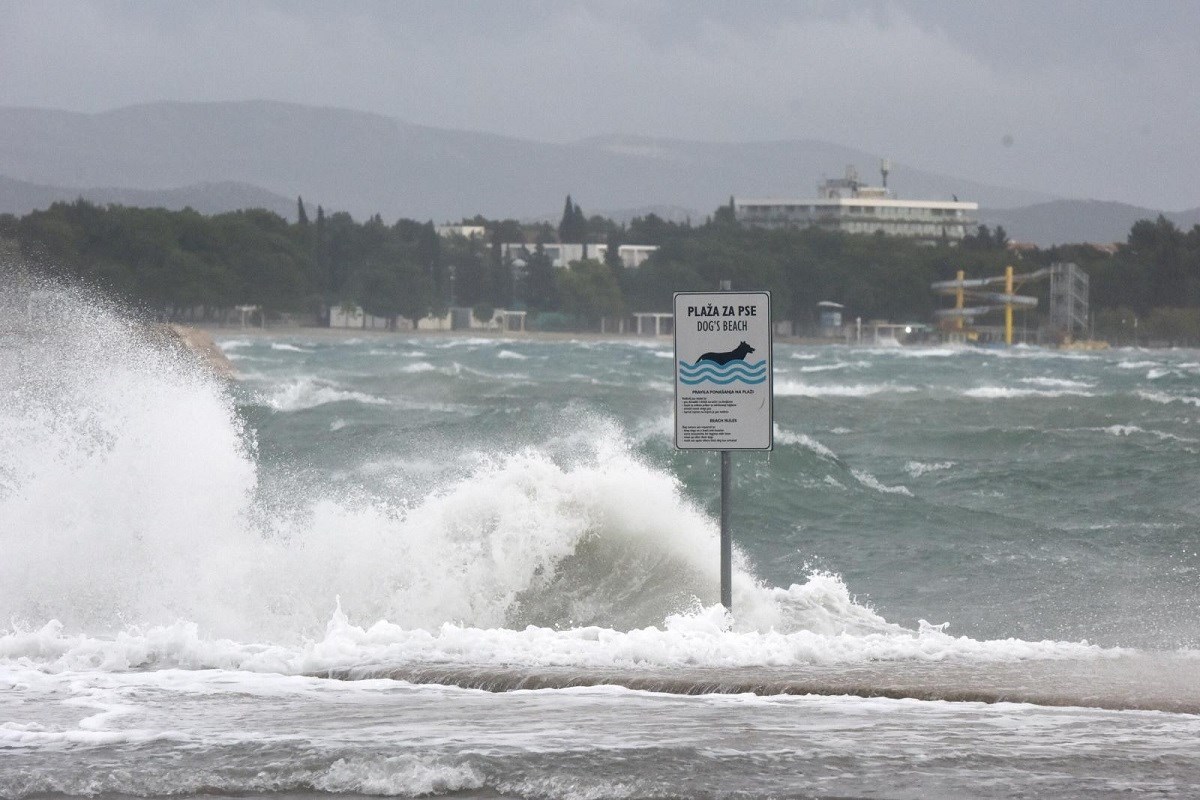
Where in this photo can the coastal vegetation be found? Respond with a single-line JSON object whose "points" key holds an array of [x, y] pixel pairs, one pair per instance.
{"points": [[182, 265]]}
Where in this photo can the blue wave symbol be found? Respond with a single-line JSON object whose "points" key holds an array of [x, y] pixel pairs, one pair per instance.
{"points": [[722, 375]]}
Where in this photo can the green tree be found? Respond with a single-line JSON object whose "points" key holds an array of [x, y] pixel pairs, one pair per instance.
{"points": [[540, 283], [589, 291]]}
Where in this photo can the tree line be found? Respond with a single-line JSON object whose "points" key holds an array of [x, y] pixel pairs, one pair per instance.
{"points": [[185, 265]]}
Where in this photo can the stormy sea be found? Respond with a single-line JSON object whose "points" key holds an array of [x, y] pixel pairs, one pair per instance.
{"points": [[413, 565]]}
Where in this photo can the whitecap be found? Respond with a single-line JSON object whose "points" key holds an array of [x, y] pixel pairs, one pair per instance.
{"points": [[1060, 383], [789, 388], [917, 468], [783, 436], [1010, 392], [1165, 399], [871, 482], [304, 393]]}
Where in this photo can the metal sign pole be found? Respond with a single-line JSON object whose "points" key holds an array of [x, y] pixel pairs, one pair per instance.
{"points": [[723, 391], [726, 533], [726, 513]]}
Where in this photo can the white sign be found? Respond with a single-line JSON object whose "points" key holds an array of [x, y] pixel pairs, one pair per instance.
{"points": [[724, 395]]}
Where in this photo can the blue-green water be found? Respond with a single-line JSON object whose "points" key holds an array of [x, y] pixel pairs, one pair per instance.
{"points": [[412, 565], [1028, 493]]}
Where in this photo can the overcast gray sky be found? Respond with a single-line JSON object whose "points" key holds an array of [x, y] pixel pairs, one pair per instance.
{"points": [[1082, 99]]}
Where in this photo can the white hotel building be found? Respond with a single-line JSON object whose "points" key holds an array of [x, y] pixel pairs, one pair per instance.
{"points": [[845, 204]]}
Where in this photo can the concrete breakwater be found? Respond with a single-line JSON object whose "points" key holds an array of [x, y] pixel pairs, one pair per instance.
{"points": [[200, 345]]}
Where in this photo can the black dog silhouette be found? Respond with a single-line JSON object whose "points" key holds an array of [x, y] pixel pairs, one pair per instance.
{"points": [[738, 354]]}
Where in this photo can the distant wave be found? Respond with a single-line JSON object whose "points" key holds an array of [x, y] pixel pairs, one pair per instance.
{"points": [[784, 436], [871, 482], [1011, 392], [1129, 430], [1165, 399], [918, 468], [1058, 383], [799, 389], [834, 366], [303, 393]]}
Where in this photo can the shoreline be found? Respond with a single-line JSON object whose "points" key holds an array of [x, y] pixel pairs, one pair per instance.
{"points": [[291, 331]]}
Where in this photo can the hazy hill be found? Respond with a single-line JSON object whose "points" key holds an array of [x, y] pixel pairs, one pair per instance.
{"points": [[21, 197], [1067, 221], [234, 155], [366, 163]]}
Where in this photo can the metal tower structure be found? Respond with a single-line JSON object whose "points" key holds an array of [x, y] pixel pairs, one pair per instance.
{"points": [[1068, 300]]}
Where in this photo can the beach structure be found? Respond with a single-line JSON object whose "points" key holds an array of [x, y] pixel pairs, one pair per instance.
{"points": [[1069, 287], [849, 205], [1068, 300]]}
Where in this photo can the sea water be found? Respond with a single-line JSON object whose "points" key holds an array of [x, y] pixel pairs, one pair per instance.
{"points": [[406, 565]]}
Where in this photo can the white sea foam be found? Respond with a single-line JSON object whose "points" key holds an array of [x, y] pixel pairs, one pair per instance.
{"points": [[129, 517], [789, 388], [1130, 430], [1166, 399], [289, 348], [303, 393], [405, 776], [1121, 430], [946, 351], [787, 437], [661, 427], [1137, 364], [832, 629], [130, 522], [420, 366], [232, 344], [510, 354], [1058, 383], [918, 468], [871, 482], [837, 365], [1011, 392]]}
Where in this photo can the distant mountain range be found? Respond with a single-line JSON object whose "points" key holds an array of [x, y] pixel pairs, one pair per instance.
{"points": [[221, 156], [21, 197], [1069, 221]]}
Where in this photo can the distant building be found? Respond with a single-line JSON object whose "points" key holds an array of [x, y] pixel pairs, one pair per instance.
{"points": [[632, 255], [465, 231], [846, 204], [562, 254]]}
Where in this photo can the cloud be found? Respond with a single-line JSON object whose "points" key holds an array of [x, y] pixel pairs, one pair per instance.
{"points": [[938, 85]]}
